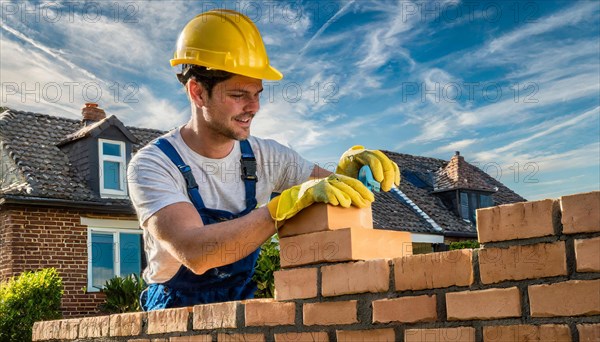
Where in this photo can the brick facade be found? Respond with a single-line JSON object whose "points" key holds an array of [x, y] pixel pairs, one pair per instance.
{"points": [[539, 302], [32, 238]]}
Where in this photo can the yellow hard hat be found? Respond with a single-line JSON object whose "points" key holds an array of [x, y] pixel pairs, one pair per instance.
{"points": [[224, 40]]}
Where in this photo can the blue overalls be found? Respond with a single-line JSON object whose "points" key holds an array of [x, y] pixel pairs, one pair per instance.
{"points": [[219, 284]]}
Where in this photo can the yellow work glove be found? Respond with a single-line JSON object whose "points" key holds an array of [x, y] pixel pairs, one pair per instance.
{"points": [[334, 190], [385, 171]]}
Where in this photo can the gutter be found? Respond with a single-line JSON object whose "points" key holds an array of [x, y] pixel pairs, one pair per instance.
{"points": [[59, 203]]}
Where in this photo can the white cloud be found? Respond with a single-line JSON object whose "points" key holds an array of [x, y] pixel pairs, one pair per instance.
{"points": [[456, 146], [545, 160], [151, 111], [560, 125], [571, 16], [283, 121]]}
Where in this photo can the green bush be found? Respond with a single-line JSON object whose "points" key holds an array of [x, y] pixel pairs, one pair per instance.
{"points": [[464, 244], [266, 265], [28, 298], [122, 294]]}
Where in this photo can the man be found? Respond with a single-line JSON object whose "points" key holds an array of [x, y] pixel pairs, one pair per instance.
{"points": [[200, 191]]}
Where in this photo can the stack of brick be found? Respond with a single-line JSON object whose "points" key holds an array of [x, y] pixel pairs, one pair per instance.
{"points": [[536, 278]]}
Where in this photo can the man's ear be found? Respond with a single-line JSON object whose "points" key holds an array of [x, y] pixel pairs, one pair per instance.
{"points": [[196, 92]]}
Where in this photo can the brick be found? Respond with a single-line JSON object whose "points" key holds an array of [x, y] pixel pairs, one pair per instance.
{"points": [[462, 334], [356, 277], [343, 245], [569, 298], [374, 335], [483, 304], [517, 221], [46, 330], [434, 270], [94, 326], [168, 320], [522, 262], [241, 338], [261, 312], [319, 336], [299, 283], [405, 309], [589, 332], [587, 254], [581, 213], [214, 316], [127, 324], [542, 333], [324, 217], [330, 313], [195, 338]]}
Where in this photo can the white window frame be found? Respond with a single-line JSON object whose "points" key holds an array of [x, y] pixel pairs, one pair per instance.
{"points": [[122, 160], [108, 226]]}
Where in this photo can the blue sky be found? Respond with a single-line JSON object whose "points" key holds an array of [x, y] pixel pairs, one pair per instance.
{"points": [[513, 85]]}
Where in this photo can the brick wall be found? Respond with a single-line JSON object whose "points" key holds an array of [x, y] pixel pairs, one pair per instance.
{"points": [[32, 238], [536, 278]]}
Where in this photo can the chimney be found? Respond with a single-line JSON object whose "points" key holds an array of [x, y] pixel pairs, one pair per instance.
{"points": [[92, 114], [457, 153]]}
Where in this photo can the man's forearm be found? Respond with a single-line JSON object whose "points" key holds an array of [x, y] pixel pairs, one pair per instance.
{"points": [[223, 243]]}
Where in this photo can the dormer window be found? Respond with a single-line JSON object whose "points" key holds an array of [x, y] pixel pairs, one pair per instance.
{"points": [[112, 165], [471, 201]]}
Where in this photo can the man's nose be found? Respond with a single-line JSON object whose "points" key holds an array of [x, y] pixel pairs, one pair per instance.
{"points": [[253, 105]]}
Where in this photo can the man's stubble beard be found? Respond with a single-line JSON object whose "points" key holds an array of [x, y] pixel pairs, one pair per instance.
{"points": [[228, 132]]}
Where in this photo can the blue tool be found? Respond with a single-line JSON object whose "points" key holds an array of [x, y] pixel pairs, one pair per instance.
{"points": [[365, 176]]}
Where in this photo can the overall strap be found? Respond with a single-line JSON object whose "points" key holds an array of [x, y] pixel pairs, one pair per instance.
{"points": [[248, 162], [186, 171]]}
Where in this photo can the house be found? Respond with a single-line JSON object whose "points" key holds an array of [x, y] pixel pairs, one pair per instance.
{"points": [[438, 200], [64, 201]]}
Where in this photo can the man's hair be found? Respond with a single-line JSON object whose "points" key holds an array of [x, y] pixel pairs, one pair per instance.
{"points": [[209, 78]]}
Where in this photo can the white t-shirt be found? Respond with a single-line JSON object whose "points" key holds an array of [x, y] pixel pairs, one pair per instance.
{"points": [[155, 182]]}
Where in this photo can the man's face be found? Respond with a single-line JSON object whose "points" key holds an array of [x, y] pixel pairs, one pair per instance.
{"points": [[232, 106]]}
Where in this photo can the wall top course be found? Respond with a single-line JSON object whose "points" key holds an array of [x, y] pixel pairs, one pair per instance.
{"points": [[518, 221]]}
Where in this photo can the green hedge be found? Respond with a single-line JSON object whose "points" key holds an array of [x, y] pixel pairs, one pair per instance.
{"points": [[28, 298], [464, 244], [266, 265]]}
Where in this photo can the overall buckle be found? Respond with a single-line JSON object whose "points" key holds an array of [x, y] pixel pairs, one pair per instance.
{"points": [[249, 168]]}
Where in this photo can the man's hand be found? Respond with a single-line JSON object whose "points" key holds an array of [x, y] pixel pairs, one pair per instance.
{"points": [[384, 170], [334, 190]]}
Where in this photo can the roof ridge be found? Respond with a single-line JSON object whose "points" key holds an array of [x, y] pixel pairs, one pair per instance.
{"points": [[15, 112], [414, 155]]}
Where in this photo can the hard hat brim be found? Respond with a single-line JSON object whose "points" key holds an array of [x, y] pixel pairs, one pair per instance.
{"points": [[267, 73]]}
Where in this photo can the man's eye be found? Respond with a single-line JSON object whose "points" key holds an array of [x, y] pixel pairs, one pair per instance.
{"points": [[238, 96]]}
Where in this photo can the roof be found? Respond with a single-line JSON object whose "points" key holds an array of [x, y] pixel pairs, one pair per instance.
{"points": [[30, 141], [420, 177]]}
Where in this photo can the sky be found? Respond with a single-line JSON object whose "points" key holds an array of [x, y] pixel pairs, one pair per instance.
{"points": [[513, 85]]}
